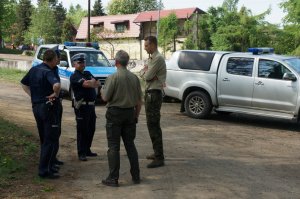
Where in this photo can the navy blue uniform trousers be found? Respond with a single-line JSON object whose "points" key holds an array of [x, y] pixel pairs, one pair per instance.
{"points": [[86, 125], [47, 123]]}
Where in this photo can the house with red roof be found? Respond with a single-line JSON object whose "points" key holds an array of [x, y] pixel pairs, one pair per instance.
{"points": [[127, 32]]}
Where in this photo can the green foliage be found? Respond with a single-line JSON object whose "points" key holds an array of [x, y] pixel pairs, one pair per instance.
{"points": [[97, 9], [76, 14], [60, 16], [168, 29], [11, 75], [292, 22], [43, 26], [10, 51], [7, 17], [23, 20], [131, 6], [68, 30]]}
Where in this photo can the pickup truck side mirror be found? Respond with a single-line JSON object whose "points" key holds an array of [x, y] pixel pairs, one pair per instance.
{"points": [[289, 76], [63, 64]]}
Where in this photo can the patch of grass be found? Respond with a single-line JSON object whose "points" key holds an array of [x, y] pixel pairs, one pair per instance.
{"points": [[17, 151], [10, 51], [11, 75], [1, 59]]}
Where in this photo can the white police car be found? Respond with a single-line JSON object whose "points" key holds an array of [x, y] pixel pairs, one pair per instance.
{"points": [[96, 61]]}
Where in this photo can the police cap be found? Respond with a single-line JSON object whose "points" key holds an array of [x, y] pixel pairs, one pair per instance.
{"points": [[78, 57]]}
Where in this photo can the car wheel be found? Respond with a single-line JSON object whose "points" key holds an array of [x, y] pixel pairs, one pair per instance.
{"points": [[198, 105]]}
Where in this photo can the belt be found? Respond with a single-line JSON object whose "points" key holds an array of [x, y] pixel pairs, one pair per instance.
{"points": [[116, 107], [89, 103], [153, 91]]}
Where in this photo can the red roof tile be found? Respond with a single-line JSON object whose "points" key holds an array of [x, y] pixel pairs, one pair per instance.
{"points": [[153, 15]]}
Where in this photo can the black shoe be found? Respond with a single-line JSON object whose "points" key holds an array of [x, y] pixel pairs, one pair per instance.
{"points": [[54, 170], [110, 182], [150, 157], [136, 180], [56, 167], [49, 176], [58, 162], [156, 163], [82, 157], [91, 154]]}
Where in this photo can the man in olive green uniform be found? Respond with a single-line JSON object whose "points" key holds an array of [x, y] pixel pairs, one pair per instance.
{"points": [[122, 91], [155, 77]]}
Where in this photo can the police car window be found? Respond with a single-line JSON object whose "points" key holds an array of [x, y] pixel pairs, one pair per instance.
{"points": [[240, 66], [271, 69], [195, 60], [93, 58], [41, 53], [63, 56]]}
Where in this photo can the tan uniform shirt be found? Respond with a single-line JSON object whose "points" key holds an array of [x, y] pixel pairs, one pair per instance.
{"points": [[122, 89], [155, 76]]}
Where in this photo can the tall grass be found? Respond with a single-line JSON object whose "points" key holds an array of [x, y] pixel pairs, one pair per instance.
{"points": [[11, 75]]}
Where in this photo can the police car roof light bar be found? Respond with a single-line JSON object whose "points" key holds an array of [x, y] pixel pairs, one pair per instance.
{"points": [[82, 44], [256, 51]]}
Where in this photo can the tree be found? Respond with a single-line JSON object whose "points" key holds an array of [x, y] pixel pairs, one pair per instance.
{"points": [[76, 14], [98, 9], [68, 31], [60, 16], [7, 18], [23, 13], [292, 22], [43, 25], [131, 6], [168, 30]]}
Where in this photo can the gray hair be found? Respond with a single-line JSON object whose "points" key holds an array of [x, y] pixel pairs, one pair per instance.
{"points": [[122, 57]]}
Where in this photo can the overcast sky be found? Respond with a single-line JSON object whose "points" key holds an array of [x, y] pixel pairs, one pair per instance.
{"points": [[256, 6]]}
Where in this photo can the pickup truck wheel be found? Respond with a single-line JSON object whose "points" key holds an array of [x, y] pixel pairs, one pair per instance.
{"points": [[198, 105]]}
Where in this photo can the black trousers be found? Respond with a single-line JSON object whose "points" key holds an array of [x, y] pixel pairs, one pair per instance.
{"points": [[59, 117], [121, 123], [153, 102], [86, 125], [47, 124]]}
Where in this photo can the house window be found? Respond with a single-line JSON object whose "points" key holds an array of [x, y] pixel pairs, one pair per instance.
{"points": [[99, 27], [121, 27]]}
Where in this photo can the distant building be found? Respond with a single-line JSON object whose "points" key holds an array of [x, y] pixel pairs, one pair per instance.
{"points": [[127, 32]]}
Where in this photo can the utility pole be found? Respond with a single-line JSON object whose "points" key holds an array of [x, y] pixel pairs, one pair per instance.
{"points": [[89, 20], [157, 28]]}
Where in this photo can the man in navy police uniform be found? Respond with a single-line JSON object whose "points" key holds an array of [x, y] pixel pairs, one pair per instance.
{"points": [[83, 84], [43, 86]]}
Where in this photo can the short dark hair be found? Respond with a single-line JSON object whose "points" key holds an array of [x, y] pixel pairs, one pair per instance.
{"points": [[49, 55], [122, 57], [152, 40]]}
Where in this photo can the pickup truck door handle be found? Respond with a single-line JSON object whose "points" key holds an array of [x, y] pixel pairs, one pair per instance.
{"points": [[259, 83], [226, 80]]}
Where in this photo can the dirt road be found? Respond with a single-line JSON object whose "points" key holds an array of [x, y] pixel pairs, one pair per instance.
{"points": [[224, 157]]}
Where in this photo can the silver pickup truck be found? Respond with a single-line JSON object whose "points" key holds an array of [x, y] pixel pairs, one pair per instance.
{"points": [[257, 83]]}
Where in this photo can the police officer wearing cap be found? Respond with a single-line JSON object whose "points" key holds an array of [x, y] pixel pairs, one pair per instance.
{"points": [[43, 86], [83, 84], [122, 91]]}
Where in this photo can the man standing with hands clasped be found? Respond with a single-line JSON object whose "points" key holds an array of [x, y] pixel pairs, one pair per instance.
{"points": [[122, 91], [43, 86], [154, 74], [83, 84]]}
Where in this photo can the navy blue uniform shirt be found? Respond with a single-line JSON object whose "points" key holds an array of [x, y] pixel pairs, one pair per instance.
{"points": [[40, 79], [77, 79]]}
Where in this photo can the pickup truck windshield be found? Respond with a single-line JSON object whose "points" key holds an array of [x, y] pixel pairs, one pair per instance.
{"points": [[294, 63], [93, 58]]}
